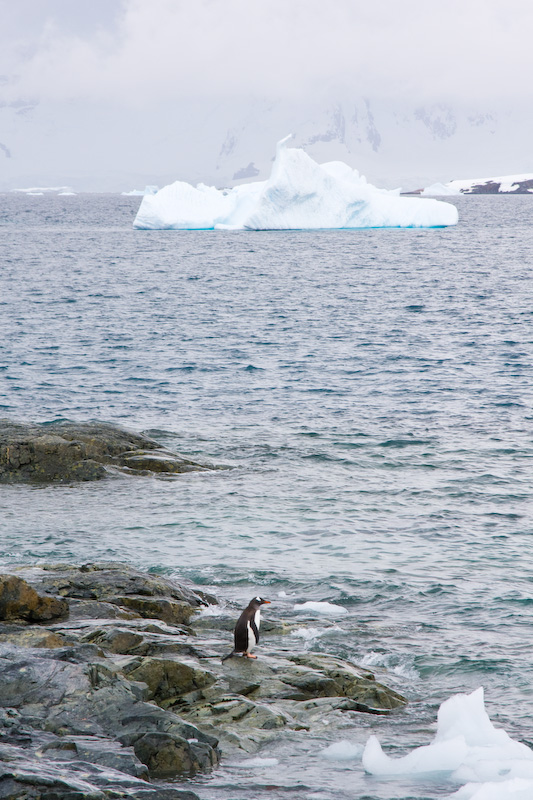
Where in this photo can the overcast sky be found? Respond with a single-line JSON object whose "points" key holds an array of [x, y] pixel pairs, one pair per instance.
{"points": [[141, 51], [155, 57]]}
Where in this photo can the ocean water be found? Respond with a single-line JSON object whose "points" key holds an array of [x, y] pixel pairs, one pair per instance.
{"points": [[370, 391]]}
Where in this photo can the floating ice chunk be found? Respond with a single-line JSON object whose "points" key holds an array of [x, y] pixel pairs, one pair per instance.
{"points": [[300, 194], [444, 756], [469, 747], [141, 192], [342, 751], [465, 715], [438, 190], [317, 607], [515, 789]]}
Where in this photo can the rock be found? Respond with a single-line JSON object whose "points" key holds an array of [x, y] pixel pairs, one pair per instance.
{"points": [[31, 637], [66, 451], [121, 692], [95, 750], [167, 755], [107, 581], [168, 679], [175, 612], [336, 678], [149, 461], [18, 600]]}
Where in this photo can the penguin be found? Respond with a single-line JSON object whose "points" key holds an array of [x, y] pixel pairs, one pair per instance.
{"points": [[246, 633]]}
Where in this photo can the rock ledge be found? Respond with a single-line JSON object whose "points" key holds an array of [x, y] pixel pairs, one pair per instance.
{"points": [[108, 691]]}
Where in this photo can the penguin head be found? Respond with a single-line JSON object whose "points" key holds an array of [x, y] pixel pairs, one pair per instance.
{"points": [[257, 602]]}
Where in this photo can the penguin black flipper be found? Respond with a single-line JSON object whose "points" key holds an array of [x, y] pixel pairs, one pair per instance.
{"points": [[240, 634], [255, 630]]}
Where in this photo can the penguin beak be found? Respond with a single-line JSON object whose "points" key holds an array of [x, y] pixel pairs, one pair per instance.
{"points": [[267, 601]]}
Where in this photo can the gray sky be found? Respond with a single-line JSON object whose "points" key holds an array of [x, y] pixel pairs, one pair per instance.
{"points": [[146, 51], [145, 57]]}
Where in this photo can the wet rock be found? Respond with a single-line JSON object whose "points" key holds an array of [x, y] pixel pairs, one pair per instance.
{"points": [[167, 755], [18, 600], [168, 679], [150, 461], [119, 693], [144, 640], [94, 750], [108, 581], [175, 612], [66, 451], [33, 637], [27, 774], [325, 676]]}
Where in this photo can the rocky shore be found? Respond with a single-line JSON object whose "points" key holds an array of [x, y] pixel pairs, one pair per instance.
{"points": [[68, 451], [112, 685]]}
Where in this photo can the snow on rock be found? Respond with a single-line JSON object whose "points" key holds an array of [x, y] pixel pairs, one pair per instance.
{"points": [[300, 194], [504, 184], [470, 748]]}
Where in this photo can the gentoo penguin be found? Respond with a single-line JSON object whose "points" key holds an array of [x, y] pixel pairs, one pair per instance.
{"points": [[246, 633]]}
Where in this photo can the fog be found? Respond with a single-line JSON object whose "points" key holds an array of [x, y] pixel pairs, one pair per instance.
{"points": [[186, 64]]}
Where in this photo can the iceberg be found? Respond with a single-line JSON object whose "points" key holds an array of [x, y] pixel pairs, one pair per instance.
{"points": [[489, 763], [299, 195], [439, 189]]}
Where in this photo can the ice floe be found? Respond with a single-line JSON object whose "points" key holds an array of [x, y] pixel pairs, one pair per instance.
{"points": [[342, 751], [317, 607], [300, 194], [486, 760], [439, 190]]}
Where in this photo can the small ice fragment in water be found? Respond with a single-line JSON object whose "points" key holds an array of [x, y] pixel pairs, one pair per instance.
{"points": [[342, 751], [317, 607]]}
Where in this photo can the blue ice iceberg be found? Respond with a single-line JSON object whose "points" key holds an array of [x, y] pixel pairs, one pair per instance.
{"points": [[300, 194]]}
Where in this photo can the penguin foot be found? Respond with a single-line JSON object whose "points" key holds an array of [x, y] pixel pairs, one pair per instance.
{"points": [[249, 655]]}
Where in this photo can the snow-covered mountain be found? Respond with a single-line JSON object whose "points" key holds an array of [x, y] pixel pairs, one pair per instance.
{"points": [[103, 147], [506, 184]]}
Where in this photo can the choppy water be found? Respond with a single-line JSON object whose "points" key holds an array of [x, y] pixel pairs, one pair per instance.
{"points": [[372, 391]]}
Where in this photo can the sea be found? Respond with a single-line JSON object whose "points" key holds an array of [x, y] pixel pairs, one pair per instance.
{"points": [[370, 393]]}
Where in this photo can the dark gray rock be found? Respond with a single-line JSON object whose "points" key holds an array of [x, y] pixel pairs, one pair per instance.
{"points": [[66, 451], [122, 692], [109, 582], [167, 755]]}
